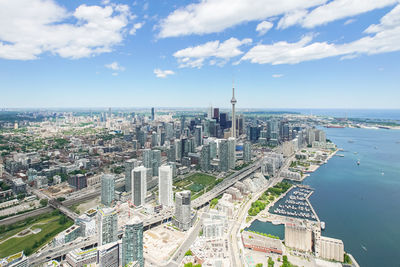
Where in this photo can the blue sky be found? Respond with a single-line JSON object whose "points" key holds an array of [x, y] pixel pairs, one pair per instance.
{"points": [[282, 54]]}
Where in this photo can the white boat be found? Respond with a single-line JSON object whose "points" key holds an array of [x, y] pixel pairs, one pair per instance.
{"points": [[323, 225]]}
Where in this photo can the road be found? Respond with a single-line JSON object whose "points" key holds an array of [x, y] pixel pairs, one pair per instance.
{"points": [[78, 196], [52, 253], [225, 184], [24, 216]]}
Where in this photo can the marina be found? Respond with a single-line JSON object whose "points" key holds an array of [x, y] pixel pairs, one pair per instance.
{"points": [[295, 204]]}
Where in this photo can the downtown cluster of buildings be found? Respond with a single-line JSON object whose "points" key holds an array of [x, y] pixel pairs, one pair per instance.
{"points": [[134, 159]]}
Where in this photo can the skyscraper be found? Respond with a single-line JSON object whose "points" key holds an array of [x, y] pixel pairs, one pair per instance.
{"points": [[247, 152], [130, 164], [139, 186], [169, 130], [107, 223], [165, 193], [231, 152], [223, 155], [216, 114], [107, 189], [213, 149], [147, 158], [132, 242], [198, 136], [154, 139], [152, 114], [205, 158], [156, 161], [223, 117], [182, 123], [183, 210], [171, 153], [233, 102]]}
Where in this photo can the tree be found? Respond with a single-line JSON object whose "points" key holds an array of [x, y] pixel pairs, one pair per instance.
{"points": [[20, 196], [63, 220], [213, 202], [270, 262], [189, 253], [43, 202], [259, 265], [347, 258]]}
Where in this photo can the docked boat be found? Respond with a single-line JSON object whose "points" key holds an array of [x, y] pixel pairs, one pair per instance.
{"points": [[340, 155], [358, 162], [323, 225]]}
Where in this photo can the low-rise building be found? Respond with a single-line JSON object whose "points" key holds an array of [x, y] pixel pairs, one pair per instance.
{"points": [[16, 260], [18, 186], [261, 243], [81, 258]]}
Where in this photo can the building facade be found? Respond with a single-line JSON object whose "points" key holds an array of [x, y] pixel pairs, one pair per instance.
{"points": [[107, 189], [132, 242], [139, 185], [165, 193], [107, 223]]}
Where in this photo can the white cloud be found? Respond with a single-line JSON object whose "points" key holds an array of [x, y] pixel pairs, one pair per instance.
{"points": [[264, 27], [163, 73], [114, 74], [385, 38], [277, 75], [220, 53], [30, 28], [289, 53], [115, 66], [136, 27], [292, 18], [389, 21], [349, 21], [339, 9], [210, 16]]}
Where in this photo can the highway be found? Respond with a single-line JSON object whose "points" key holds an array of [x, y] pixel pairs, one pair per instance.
{"points": [[20, 217], [73, 198], [55, 252], [225, 184], [60, 251]]}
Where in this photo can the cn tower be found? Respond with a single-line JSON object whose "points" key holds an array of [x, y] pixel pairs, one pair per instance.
{"points": [[233, 102]]}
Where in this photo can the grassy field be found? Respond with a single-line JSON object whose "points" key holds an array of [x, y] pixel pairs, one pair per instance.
{"points": [[197, 183], [50, 226]]}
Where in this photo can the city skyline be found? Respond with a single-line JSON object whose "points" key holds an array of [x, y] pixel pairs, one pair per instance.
{"points": [[137, 51]]}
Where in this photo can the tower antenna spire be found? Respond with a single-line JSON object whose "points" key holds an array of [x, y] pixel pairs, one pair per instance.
{"points": [[233, 102]]}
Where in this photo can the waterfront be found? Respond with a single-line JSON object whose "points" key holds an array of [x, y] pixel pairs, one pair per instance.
{"points": [[267, 228], [360, 204]]}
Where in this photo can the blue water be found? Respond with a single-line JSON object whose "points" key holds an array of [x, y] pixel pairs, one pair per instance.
{"points": [[268, 228], [359, 204], [383, 114]]}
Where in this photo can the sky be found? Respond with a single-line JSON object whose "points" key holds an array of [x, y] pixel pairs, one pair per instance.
{"points": [[278, 53]]}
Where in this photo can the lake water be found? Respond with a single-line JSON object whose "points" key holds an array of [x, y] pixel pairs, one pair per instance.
{"points": [[360, 204]]}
